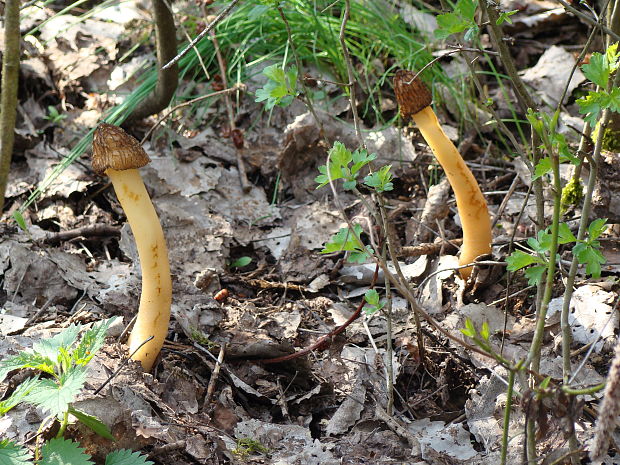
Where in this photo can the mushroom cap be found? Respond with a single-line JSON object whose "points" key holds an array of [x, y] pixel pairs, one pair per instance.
{"points": [[114, 149], [411, 93]]}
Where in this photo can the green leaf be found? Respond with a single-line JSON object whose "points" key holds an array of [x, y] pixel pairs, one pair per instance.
{"points": [[519, 259], [14, 454], [360, 159], [545, 382], [49, 348], [448, 24], [20, 392], [485, 332], [469, 330], [592, 104], [596, 228], [19, 219], [504, 17], [466, 9], [340, 155], [59, 451], [380, 180], [126, 457], [241, 262], [535, 274], [543, 167], [372, 296], [565, 235], [93, 423], [589, 255], [25, 360], [55, 397], [597, 70], [92, 340]]}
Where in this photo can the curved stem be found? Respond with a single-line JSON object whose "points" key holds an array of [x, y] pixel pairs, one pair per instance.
{"points": [[156, 296]]}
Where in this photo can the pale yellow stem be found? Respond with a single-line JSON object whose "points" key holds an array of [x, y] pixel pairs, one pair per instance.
{"points": [[156, 296], [470, 202]]}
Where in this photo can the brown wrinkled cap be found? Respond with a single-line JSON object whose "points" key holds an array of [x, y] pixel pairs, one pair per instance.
{"points": [[411, 93], [114, 148]]}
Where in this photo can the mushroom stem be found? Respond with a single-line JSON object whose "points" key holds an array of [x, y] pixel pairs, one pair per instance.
{"points": [[119, 155], [470, 202], [156, 296], [415, 101]]}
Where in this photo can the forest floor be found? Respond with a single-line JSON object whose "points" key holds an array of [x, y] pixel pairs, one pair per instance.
{"points": [[77, 263]]}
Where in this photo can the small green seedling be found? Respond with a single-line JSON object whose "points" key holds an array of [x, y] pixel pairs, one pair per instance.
{"points": [[346, 240], [53, 115], [241, 262], [62, 362], [281, 88], [375, 303], [346, 165]]}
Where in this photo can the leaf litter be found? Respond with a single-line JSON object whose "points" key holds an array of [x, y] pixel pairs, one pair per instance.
{"points": [[320, 409]]}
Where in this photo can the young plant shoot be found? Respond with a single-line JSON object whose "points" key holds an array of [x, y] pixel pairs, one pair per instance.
{"points": [[119, 156], [415, 101]]}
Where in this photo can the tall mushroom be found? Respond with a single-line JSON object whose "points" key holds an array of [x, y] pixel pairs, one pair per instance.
{"points": [[415, 101], [119, 155]]}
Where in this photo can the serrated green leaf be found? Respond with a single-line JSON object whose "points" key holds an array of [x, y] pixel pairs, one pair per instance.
{"points": [[360, 159], [448, 24], [49, 348], [372, 296], [596, 228], [20, 392], [359, 256], [565, 235], [92, 340], [93, 423], [126, 457], [60, 451], [54, 397], [14, 454], [535, 274], [340, 155], [380, 180], [592, 104], [543, 167], [519, 259], [597, 70], [589, 255], [275, 73], [25, 360]]}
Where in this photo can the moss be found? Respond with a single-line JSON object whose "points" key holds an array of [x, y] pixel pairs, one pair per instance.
{"points": [[611, 138], [572, 194]]}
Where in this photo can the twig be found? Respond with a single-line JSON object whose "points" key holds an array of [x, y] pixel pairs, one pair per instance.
{"points": [[214, 375], [94, 230], [204, 32]]}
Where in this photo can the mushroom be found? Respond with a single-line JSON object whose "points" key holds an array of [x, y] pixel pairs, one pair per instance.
{"points": [[119, 155], [415, 101]]}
